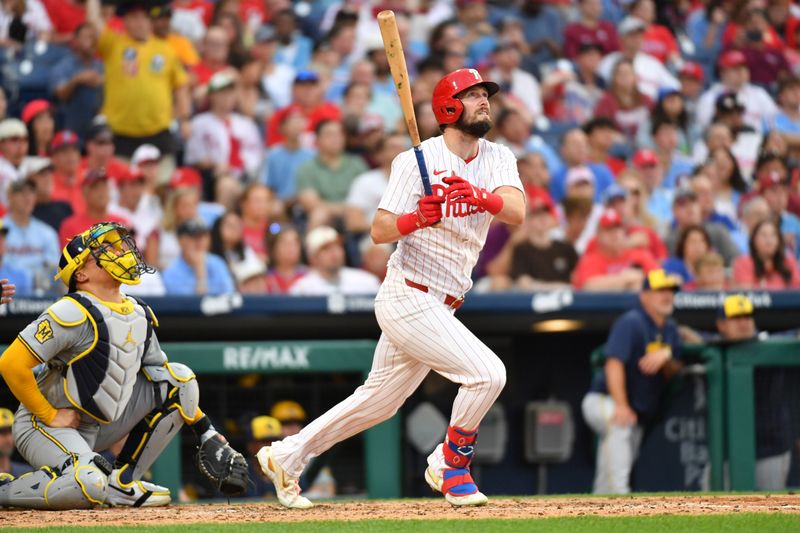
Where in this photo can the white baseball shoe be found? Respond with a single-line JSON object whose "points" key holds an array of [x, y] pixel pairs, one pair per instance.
{"points": [[136, 493], [462, 490], [286, 487]]}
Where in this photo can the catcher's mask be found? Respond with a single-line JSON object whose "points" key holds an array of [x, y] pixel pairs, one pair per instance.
{"points": [[112, 247]]}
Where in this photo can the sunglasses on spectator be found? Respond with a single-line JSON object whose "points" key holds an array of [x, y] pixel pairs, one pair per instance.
{"points": [[634, 192]]}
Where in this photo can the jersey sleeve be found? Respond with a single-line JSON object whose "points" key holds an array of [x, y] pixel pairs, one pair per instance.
{"points": [[675, 340], [621, 340], [62, 328], [405, 185], [504, 170]]}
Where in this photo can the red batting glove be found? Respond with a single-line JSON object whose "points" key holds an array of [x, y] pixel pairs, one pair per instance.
{"points": [[428, 213], [461, 191]]}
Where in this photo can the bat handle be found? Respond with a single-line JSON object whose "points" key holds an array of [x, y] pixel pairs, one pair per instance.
{"points": [[423, 171]]}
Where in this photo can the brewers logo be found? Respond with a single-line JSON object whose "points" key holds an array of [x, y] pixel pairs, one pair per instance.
{"points": [[44, 332]]}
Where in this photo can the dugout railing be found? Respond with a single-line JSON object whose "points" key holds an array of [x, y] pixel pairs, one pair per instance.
{"points": [[731, 413]]}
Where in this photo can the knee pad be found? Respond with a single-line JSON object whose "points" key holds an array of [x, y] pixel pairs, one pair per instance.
{"points": [[178, 388]]}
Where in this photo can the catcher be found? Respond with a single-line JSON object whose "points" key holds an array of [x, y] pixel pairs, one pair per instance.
{"points": [[105, 376]]}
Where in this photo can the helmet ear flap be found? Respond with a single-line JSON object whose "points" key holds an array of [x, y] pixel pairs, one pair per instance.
{"points": [[452, 110]]}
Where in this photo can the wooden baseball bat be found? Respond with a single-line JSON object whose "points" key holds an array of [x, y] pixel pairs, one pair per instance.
{"points": [[397, 64]]}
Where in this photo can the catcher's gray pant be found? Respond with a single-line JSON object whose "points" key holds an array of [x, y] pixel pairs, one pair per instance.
{"points": [[420, 334], [41, 445], [152, 418], [618, 446]]}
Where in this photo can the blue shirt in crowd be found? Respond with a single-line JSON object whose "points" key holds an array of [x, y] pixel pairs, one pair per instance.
{"points": [[296, 54], [85, 102], [791, 224], [280, 172], [603, 177], [782, 123], [549, 24], [33, 248], [18, 277], [632, 336], [179, 278]]}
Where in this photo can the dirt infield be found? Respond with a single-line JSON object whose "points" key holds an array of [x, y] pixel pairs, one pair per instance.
{"points": [[433, 509]]}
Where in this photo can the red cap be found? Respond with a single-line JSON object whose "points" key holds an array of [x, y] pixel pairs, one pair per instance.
{"points": [[692, 70], [610, 219], [94, 176], [33, 108], [645, 158], [732, 58], [63, 139], [186, 177], [127, 174], [770, 179]]}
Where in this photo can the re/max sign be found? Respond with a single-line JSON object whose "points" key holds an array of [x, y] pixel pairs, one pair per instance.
{"points": [[260, 357]]}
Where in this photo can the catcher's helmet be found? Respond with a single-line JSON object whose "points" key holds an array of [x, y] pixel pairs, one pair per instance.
{"points": [[112, 246], [446, 105]]}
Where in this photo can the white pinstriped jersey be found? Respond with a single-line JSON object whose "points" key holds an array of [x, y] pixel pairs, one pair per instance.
{"points": [[442, 257]]}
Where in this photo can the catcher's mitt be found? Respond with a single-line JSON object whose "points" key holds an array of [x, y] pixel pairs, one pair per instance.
{"points": [[224, 466]]}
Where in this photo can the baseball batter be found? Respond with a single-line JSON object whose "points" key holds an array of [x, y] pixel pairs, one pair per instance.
{"points": [[473, 180], [105, 377]]}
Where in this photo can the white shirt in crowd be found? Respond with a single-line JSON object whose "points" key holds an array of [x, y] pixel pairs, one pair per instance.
{"points": [[758, 105], [278, 85], [9, 174], [651, 74], [366, 192], [151, 285], [350, 281], [145, 219], [524, 88], [211, 141], [34, 18]]}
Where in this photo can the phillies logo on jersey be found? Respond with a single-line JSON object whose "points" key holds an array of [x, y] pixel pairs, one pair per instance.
{"points": [[455, 209]]}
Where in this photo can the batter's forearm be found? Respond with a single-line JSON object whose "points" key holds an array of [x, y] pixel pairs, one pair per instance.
{"points": [[16, 364], [384, 228], [513, 211]]}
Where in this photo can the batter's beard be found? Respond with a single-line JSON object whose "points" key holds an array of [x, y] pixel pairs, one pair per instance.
{"points": [[476, 128]]}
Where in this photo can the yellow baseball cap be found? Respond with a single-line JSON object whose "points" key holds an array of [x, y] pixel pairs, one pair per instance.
{"points": [[736, 305], [265, 428], [659, 279], [288, 410], [6, 418]]}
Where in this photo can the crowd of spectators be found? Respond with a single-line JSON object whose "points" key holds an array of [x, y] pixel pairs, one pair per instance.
{"points": [[248, 142]]}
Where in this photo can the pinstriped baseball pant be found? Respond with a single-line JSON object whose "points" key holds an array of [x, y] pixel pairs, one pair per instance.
{"points": [[419, 334]]}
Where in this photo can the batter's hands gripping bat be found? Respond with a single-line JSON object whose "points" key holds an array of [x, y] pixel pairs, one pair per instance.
{"points": [[397, 64]]}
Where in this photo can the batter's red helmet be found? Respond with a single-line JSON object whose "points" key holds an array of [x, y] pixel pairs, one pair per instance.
{"points": [[446, 107]]}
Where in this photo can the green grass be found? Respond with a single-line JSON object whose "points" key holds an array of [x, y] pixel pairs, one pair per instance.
{"points": [[738, 523]]}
